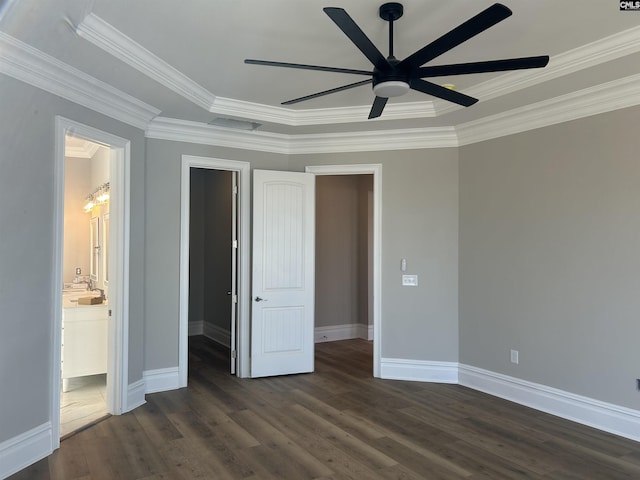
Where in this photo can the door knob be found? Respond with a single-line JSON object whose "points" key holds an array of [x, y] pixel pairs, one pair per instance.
{"points": [[259, 299]]}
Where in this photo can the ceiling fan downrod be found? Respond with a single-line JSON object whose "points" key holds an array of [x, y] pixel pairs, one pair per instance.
{"points": [[391, 12]]}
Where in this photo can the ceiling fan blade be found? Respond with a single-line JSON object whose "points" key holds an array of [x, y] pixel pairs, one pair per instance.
{"points": [[345, 23], [472, 27], [377, 107], [482, 67], [442, 92], [327, 92], [306, 67]]}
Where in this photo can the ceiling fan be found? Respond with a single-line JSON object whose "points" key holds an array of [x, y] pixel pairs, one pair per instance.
{"points": [[391, 77]]}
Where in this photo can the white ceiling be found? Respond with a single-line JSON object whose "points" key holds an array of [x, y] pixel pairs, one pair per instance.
{"points": [[186, 58]]}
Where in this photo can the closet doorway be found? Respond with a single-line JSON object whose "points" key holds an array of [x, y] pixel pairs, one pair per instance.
{"points": [[213, 246], [201, 276]]}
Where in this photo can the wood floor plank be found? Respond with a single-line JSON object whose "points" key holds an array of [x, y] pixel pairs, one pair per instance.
{"points": [[280, 446], [336, 423], [324, 449]]}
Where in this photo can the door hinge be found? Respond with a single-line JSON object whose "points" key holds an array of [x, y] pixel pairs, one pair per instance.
{"points": [[235, 189], [110, 312], [235, 299], [235, 244], [234, 354]]}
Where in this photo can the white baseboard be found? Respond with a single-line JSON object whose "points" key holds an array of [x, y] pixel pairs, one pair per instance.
{"points": [[25, 449], [161, 380], [587, 411], [135, 395], [196, 328], [217, 334], [419, 370], [343, 332]]}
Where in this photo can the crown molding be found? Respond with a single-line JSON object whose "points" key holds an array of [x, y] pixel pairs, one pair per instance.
{"points": [[40, 70], [163, 128], [29, 65], [318, 116], [176, 130], [606, 97], [603, 98], [374, 141], [85, 149], [105, 36]]}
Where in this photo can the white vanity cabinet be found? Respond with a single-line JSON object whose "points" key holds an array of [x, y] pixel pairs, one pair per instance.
{"points": [[84, 341]]}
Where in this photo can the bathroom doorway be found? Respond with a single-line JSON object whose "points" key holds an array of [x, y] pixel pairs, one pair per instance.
{"points": [[85, 276], [103, 272]]}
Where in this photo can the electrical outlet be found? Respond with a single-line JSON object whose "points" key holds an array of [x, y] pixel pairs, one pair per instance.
{"points": [[514, 356]]}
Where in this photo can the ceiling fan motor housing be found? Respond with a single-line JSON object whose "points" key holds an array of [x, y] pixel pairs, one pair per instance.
{"points": [[391, 82]]}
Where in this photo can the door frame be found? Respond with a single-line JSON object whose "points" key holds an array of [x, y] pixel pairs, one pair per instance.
{"points": [[244, 260], [119, 220], [374, 169]]}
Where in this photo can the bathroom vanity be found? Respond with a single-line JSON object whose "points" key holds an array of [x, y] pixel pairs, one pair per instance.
{"points": [[84, 339]]}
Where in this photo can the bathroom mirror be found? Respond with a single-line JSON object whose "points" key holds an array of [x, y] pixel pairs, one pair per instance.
{"points": [[105, 248], [94, 240]]}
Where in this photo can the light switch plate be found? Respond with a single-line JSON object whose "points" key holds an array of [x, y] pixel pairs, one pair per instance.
{"points": [[409, 280]]}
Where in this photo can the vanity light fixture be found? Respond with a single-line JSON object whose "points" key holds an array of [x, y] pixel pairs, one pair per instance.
{"points": [[90, 203], [99, 196], [103, 194]]}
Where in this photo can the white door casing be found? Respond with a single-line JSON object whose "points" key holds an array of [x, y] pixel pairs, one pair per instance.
{"points": [[282, 319], [242, 283], [118, 329]]}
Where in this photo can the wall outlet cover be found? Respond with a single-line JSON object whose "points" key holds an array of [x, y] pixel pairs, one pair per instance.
{"points": [[514, 356]]}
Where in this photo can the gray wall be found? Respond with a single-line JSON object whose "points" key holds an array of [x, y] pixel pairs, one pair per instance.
{"points": [[419, 223], [549, 242], [26, 248]]}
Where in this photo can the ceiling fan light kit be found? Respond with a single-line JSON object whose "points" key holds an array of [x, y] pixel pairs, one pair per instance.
{"points": [[391, 77], [391, 88]]}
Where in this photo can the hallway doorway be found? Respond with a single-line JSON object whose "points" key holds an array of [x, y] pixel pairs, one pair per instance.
{"points": [[344, 258], [371, 176]]}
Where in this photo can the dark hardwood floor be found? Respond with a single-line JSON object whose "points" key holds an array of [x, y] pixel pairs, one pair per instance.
{"points": [[336, 423]]}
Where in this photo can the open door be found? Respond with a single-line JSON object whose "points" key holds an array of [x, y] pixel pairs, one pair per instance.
{"points": [[282, 317]]}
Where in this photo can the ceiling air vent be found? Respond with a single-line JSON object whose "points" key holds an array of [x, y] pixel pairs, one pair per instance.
{"points": [[235, 124]]}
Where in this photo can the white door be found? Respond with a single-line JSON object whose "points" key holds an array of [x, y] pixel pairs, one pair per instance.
{"points": [[282, 317]]}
